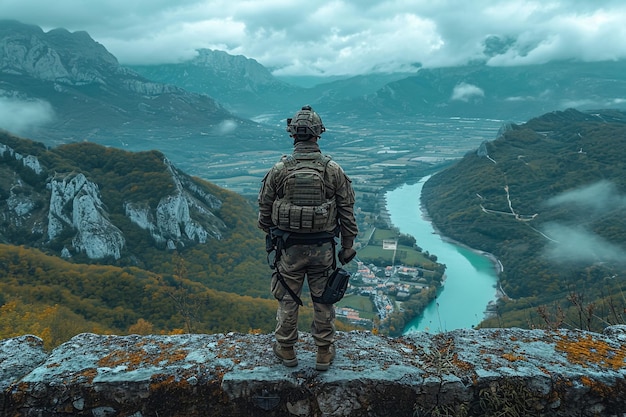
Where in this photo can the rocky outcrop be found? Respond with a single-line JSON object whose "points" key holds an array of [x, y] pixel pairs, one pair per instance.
{"points": [[26, 49], [75, 202], [29, 51], [505, 372], [52, 208], [29, 161], [176, 214]]}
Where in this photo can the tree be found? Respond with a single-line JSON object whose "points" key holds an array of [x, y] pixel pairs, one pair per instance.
{"points": [[142, 327], [184, 301]]}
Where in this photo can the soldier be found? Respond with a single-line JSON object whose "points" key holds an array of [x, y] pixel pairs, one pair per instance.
{"points": [[305, 202]]}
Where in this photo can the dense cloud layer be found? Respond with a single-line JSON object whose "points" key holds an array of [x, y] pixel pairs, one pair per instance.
{"points": [[332, 37]]}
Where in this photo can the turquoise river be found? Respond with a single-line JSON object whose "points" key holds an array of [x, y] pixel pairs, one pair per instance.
{"points": [[471, 277]]}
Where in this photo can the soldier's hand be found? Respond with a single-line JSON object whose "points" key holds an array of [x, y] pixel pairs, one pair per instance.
{"points": [[345, 255]]}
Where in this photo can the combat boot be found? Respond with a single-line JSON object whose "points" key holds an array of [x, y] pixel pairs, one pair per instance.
{"points": [[325, 356], [285, 354]]}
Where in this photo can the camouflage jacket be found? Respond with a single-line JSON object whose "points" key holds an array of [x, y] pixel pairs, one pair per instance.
{"points": [[337, 183]]}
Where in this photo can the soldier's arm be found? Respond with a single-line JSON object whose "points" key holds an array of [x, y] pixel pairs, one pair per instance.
{"points": [[266, 197], [344, 198]]}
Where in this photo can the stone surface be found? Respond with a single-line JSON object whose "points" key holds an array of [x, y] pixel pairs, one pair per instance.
{"points": [[18, 357], [462, 373]]}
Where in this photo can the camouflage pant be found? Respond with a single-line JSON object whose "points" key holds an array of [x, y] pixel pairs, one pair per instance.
{"points": [[296, 262]]}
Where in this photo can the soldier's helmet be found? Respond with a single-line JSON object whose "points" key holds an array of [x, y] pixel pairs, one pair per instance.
{"points": [[305, 124]]}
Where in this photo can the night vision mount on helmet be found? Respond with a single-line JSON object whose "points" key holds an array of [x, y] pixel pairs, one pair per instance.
{"points": [[305, 124]]}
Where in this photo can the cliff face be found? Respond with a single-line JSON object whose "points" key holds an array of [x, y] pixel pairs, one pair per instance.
{"points": [[95, 234], [71, 203], [462, 373], [44, 56]]}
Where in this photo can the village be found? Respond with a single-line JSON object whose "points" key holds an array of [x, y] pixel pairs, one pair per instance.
{"points": [[386, 287]]}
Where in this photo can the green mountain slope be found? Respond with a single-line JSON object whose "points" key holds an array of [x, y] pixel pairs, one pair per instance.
{"points": [[547, 198], [57, 299]]}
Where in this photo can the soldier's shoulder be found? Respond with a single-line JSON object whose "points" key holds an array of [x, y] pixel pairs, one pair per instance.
{"points": [[284, 160], [334, 166]]}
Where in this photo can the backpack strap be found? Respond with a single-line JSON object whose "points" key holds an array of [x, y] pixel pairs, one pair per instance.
{"points": [[279, 238]]}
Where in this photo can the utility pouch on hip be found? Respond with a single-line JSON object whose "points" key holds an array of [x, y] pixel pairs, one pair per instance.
{"points": [[335, 287]]}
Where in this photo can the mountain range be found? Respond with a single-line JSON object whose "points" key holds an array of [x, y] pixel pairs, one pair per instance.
{"points": [[507, 93], [477, 90], [85, 94], [208, 101], [249, 89]]}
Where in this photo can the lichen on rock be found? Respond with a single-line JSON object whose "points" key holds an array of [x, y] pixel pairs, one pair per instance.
{"points": [[464, 372]]}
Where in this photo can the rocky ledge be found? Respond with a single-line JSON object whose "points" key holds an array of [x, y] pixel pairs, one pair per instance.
{"points": [[489, 372]]}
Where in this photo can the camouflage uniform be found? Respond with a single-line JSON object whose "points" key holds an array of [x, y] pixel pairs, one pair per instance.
{"points": [[315, 261]]}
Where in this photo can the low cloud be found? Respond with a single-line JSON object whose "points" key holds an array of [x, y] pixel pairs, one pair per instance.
{"points": [[466, 92], [600, 197], [575, 242], [21, 116], [227, 126]]}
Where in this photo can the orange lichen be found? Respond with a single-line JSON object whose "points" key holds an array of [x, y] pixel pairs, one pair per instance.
{"points": [[512, 357], [19, 391], [586, 351], [461, 364], [586, 381], [138, 357], [598, 388], [161, 382], [89, 374]]}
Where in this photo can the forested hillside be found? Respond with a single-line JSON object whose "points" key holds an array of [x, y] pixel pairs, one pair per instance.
{"points": [[547, 198], [56, 299], [122, 177], [220, 284]]}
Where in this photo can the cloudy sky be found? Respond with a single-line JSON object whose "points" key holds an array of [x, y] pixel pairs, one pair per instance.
{"points": [[338, 37]]}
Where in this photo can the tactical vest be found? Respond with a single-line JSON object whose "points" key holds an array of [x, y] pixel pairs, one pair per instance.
{"points": [[302, 205]]}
